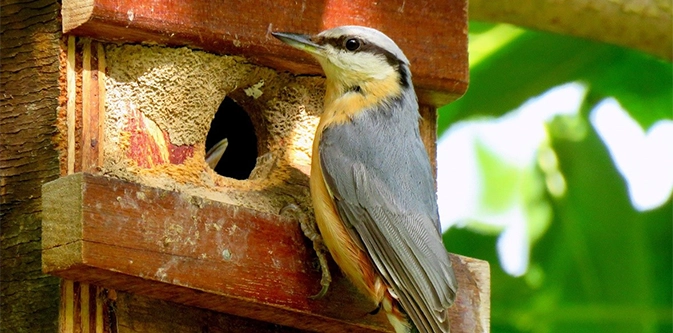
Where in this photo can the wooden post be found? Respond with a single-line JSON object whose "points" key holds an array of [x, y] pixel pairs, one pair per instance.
{"points": [[30, 34]]}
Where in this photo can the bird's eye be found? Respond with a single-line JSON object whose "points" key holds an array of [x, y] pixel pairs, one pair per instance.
{"points": [[352, 44]]}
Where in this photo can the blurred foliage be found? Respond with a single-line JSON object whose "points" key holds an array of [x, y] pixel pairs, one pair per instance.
{"points": [[533, 62], [601, 266]]}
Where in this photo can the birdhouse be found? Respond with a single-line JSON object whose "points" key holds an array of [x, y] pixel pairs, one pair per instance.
{"points": [[147, 234]]}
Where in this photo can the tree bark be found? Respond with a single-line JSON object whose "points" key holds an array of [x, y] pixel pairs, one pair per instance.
{"points": [[29, 40], [641, 25]]}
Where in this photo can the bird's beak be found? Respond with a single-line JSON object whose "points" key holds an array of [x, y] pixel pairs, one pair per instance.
{"points": [[298, 41]]}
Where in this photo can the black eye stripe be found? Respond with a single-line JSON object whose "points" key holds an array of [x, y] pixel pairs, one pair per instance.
{"points": [[339, 43]]}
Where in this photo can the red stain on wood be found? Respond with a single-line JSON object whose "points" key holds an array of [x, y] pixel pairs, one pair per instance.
{"points": [[178, 154], [149, 146]]}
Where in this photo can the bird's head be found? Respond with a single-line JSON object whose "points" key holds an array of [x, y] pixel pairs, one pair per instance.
{"points": [[356, 58]]}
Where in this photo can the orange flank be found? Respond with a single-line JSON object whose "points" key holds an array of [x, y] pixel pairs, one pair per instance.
{"points": [[350, 257]]}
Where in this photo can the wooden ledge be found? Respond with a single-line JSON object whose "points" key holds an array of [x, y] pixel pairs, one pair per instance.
{"points": [[433, 34], [203, 253]]}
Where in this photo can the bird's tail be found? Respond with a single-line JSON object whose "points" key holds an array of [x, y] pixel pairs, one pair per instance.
{"points": [[396, 315]]}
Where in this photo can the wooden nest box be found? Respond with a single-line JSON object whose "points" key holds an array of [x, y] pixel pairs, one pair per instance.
{"points": [[170, 244]]}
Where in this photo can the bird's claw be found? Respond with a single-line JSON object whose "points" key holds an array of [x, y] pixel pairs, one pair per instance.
{"points": [[322, 292]]}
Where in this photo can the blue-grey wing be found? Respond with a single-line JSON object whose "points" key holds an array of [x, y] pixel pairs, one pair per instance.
{"points": [[378, 171]]}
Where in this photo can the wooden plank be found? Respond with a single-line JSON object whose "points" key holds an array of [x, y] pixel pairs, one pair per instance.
{"points": [[146, 314], [82, 307], [67, 322], [93, 65], [88, 124], [85, 313], [203, 253], [71, 74], [100, 89], [99, 322], [85, 106], [433, 34], [428, 129]]}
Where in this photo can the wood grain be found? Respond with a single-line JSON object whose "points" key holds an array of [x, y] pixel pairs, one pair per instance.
{"points": [[84, 93], [145, 314], [93, 65], [29, 47], [71, 112], [428, 129], [207, 254], [433, 34]]}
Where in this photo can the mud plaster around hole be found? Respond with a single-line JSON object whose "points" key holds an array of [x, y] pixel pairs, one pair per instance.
{"points": [[178, 91]]}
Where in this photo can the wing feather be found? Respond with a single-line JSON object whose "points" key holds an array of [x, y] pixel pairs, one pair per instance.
{"points": [[392, 208]]}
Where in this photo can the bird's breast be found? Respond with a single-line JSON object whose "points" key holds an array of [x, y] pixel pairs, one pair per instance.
{"points": [[343, 103]]}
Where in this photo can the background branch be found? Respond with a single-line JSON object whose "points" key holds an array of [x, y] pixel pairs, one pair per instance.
{"points": [[643, 25]]}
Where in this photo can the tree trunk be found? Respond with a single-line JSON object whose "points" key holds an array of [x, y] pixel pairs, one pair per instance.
{"points": [[29, 42]]}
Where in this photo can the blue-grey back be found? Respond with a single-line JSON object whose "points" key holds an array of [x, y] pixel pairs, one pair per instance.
{"points": [[387, 141]]}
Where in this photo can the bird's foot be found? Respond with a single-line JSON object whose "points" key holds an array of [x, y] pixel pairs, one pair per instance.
{"points": [[321, 251], [310, 230]]}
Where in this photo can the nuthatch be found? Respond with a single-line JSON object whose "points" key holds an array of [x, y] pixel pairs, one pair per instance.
{"points": [[215, 153], [371, 180]]}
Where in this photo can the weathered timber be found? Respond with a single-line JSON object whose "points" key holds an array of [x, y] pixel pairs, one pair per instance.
{"points": [[92, 309], [29, 90], [208, 254], [433, 34]]}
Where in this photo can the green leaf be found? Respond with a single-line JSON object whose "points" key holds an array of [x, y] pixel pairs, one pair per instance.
{"points": [[501, 180], [642, 84], [601, 266], [533, 62], [527, 66]]}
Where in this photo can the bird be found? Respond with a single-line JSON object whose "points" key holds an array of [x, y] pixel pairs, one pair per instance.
{"points": [[371, 180], [215, 153]]}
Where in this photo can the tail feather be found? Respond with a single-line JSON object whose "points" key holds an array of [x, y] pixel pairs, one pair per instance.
{"points": [[396, 316]]}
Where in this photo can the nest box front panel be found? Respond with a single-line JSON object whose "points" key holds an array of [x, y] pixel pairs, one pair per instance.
{"points": [[160, 103]]}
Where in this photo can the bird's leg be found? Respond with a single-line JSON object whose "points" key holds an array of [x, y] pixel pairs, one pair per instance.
{"points": [[311, 232]]}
